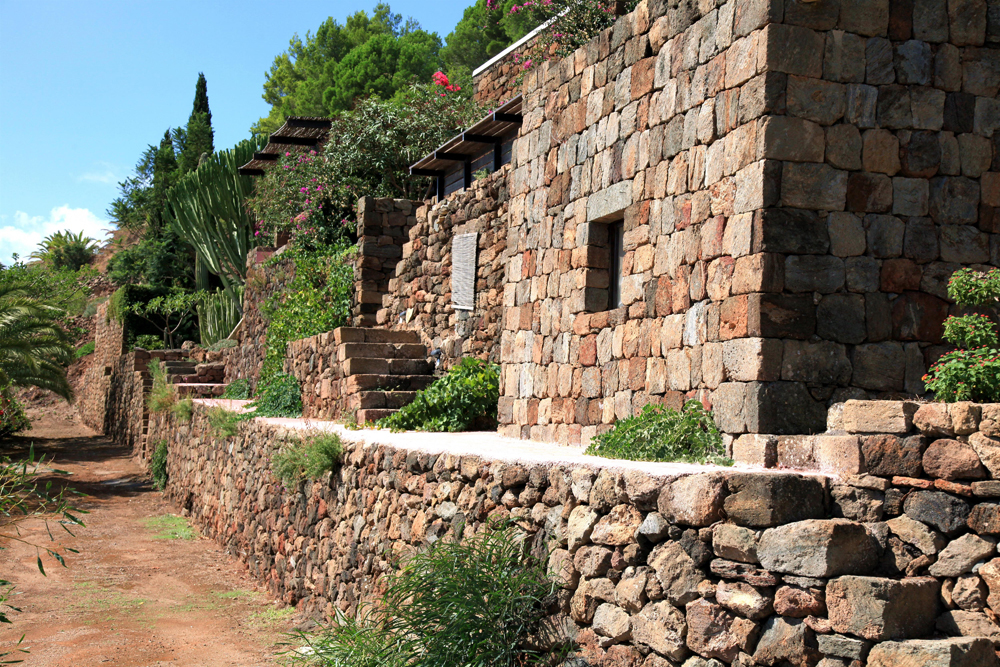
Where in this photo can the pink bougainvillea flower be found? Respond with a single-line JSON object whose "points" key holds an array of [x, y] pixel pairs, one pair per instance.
{"points": [[439, 78], [527, 63]]}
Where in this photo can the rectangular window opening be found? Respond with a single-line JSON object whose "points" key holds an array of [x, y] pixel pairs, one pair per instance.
{"points": [[616, 241]]}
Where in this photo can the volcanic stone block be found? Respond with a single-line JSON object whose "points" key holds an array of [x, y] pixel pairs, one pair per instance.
{"points": [[761, 500], [958, 652], [713, 632], [952, 459], [841, 317], [781, 316], [940, 510], [786, 641], [662, 627], [694, 500], [790, 231], [985, 519], [812, 273], [878, 417], [878, 609], [960, 555], [818, 548]]}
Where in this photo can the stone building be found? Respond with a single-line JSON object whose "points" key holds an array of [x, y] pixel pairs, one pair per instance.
{"points": [[755, 203]]}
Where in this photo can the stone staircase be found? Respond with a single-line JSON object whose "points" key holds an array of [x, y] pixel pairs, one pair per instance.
{"points": [[195, 380], [381, 370]]}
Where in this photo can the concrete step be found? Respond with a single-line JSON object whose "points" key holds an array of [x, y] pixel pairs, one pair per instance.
{"points": [[373, 366], [367, 400], [359, 335], [357, 383], [371, 416], [381, 351]]}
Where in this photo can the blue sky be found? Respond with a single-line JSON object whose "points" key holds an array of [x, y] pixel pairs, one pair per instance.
{"points": [[86, 86]]}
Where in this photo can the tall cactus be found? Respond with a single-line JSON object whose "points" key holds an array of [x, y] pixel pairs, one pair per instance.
{"points": [[208, 209]]}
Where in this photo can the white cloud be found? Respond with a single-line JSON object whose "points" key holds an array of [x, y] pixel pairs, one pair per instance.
{"points": [[103, 174], [27, 231]]}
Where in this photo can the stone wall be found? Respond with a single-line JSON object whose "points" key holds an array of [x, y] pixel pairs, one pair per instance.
{"points": [[383, 228], [244, 360], [796, 182], [499, 83], [419, 294], [658, 562], [109, 345], [125, 419]]}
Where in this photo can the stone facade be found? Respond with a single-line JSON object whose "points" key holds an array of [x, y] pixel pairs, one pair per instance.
{"points": [[500, 82], [796, 183], [657, 565], [419, 294], [383, 228]]}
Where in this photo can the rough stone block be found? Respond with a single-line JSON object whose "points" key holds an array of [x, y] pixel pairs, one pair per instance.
{"points": [[761, 500], [813, 186], [810, 273], [878, 609], [961, 555], [847, 234], [818, 548], [790, 231], [734, 543], [792, 50], [879, 366], [662, 627], [838, 454], [878, 417], [964, 652], [694, 500], [749, 359], [713, 632], [757, 450], [940, 510], [792, 139], [952, 459]]}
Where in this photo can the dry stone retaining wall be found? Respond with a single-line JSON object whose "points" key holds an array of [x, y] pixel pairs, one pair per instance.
{"points": [[737, 566], [109, 346]]}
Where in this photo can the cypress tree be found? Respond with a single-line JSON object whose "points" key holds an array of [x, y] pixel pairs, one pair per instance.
{"points": [[198, 139]]}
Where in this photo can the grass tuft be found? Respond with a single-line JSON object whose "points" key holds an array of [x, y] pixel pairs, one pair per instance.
{"points": [[308, 458]]}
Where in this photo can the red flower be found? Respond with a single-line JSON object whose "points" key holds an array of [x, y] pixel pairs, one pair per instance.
{"points": [[440, 79]]}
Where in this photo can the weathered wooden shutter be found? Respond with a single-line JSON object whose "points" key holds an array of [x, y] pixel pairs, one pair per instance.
{"points": [[463, 271]]}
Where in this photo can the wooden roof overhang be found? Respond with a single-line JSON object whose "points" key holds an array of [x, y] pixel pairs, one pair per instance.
{"points": [[462, 148], [297, 132]]}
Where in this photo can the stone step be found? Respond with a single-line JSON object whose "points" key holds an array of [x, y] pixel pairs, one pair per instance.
{"points": [[372, 415], [193, 379], [179, 366], [359, 335], [358, 383], [381, 351], [367, 400], [370, 366], [199, 389]]}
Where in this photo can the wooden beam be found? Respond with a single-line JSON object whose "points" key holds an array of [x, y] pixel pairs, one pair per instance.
{"points": [[451, 157], [479, 138], [467, 175], [294, 141], [268, 157], [433, 173]]}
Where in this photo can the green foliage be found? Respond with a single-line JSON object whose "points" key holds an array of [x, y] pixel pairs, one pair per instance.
{"points": [[224, 344], [972, 372], [158, 465], [224, 423], [34, 348], [66, 250], [325, 72], [63, 289], [170, 527], [663, 434], [129, 301], [468, 392], [477, 38], [208, 209], [172, 312], [316, 300], [308, 458], [237, 390], [24, 493], [471, 604], [183, 409], [314, 195], [148, 342], [85, 349], [198, 135], [12, 417], [278, 396], [218, 314], [162, 395]]}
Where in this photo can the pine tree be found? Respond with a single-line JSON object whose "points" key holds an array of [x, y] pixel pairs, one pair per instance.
{"points": [[198, 136]]}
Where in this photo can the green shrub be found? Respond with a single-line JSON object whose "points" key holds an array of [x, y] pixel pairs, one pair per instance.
{"points": [[158, 465], [972, 372], [162, 395], [91, 308], [224, 423], [663, 434], [148, 342], [183, 409], [223, 344], [470, 391], [308, 458], [469, 603], [12, 417], [85, 349], [237, 390], [278, 396]]}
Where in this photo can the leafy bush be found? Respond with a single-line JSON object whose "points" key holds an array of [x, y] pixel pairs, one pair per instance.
{"points": [[34, 348], [471, 603], [90, 309], [158, 465], [148, 342], [224, 344], [308, 458], [278, 396], [162, 395], [224, 423], [659, 433], [66, 250], [237, 390], [128, 307], [972, 372], [316, 300], [183, 409], [85, 349], [469, 391], [12, 417]]}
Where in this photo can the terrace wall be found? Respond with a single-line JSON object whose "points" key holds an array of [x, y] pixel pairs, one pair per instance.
{"points": [[658, 562], [797, 182], [109, 346]]}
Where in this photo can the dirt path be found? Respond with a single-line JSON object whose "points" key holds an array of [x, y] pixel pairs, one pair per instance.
{"points": [[144, 589]]}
